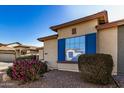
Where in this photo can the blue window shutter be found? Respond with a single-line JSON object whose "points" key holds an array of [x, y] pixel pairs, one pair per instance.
{"points": [[90, 46], [61, 50]]}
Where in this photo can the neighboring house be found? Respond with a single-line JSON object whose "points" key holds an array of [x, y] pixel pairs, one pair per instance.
{"points": [[41, 53], [7, 54], [33, 50], [13, 44], [22, 50], [91, 34], [1, 44], [19, 49]]}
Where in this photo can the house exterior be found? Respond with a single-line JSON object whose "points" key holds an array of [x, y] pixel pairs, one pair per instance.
{"points": [[13, 44], [9, 52], [23, 50], [41, 52], [88, 35]]}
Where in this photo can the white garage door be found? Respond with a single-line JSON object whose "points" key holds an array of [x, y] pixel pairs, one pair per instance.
{"points": [[7, 57]]}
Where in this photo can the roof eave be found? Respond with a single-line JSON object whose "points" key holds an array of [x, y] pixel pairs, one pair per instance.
{"points": [[48, 38], [110, 25], [84, 19]]}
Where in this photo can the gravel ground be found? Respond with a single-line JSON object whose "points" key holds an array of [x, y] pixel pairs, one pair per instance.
{"points": [[56, 79]]}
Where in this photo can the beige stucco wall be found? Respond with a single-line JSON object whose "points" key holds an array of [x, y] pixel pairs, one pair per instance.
{"points": [[41, 53], [68, 67], [32, 52], [18, 54], [50, 53], [81, 29], [107, 43]]}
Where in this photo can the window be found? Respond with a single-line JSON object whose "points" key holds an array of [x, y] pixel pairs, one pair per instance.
{"points": [[23, 52], [70, 54], [74, 47], [73, 30]]}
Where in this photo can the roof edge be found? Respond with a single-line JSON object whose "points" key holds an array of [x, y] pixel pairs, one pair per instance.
{"points": [[84, 19], [42, 39], [110, 24], [14, 43]]}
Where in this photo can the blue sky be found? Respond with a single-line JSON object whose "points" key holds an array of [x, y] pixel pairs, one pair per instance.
{"points": [[25, 24]]}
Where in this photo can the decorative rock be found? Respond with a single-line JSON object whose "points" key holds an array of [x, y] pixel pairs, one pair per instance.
{"points": [[5, 77]]}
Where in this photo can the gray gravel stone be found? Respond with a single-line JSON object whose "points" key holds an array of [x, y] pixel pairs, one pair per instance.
{"points": [[56, 79]]}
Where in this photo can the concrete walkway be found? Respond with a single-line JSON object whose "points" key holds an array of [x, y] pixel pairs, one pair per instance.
{"points": [[4, 65]]}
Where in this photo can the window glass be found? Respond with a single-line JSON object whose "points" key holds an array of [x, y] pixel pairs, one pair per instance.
{"points": [[74, 47], [77, 40], [67, 41], [70, 54]]}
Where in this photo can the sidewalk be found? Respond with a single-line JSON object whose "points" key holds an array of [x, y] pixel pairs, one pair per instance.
{"points": [[4, 65]]}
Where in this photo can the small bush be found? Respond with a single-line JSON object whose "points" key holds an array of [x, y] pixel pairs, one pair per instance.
{"points": [[27, 70], [9, 72], [30, 57], [44, 68], [96, 68]]}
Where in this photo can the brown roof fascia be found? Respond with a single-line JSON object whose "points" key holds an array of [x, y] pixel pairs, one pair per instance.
{"points": [[84, 19], [48, 38], [7, 52], [14, 43], [22, 46], [110, 25], [40, 48]]}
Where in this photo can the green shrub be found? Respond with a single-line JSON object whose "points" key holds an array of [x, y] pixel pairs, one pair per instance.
{"points": [[96, 68], [29, 57], [43, 69], [9, 72]]}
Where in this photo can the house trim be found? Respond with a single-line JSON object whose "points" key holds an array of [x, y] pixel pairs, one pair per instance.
{"points": [[67, 62], [99, 15], [110, 25], [48, 37]]}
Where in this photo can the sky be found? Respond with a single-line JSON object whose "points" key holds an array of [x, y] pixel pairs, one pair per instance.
{"points": [[25, 24]]}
